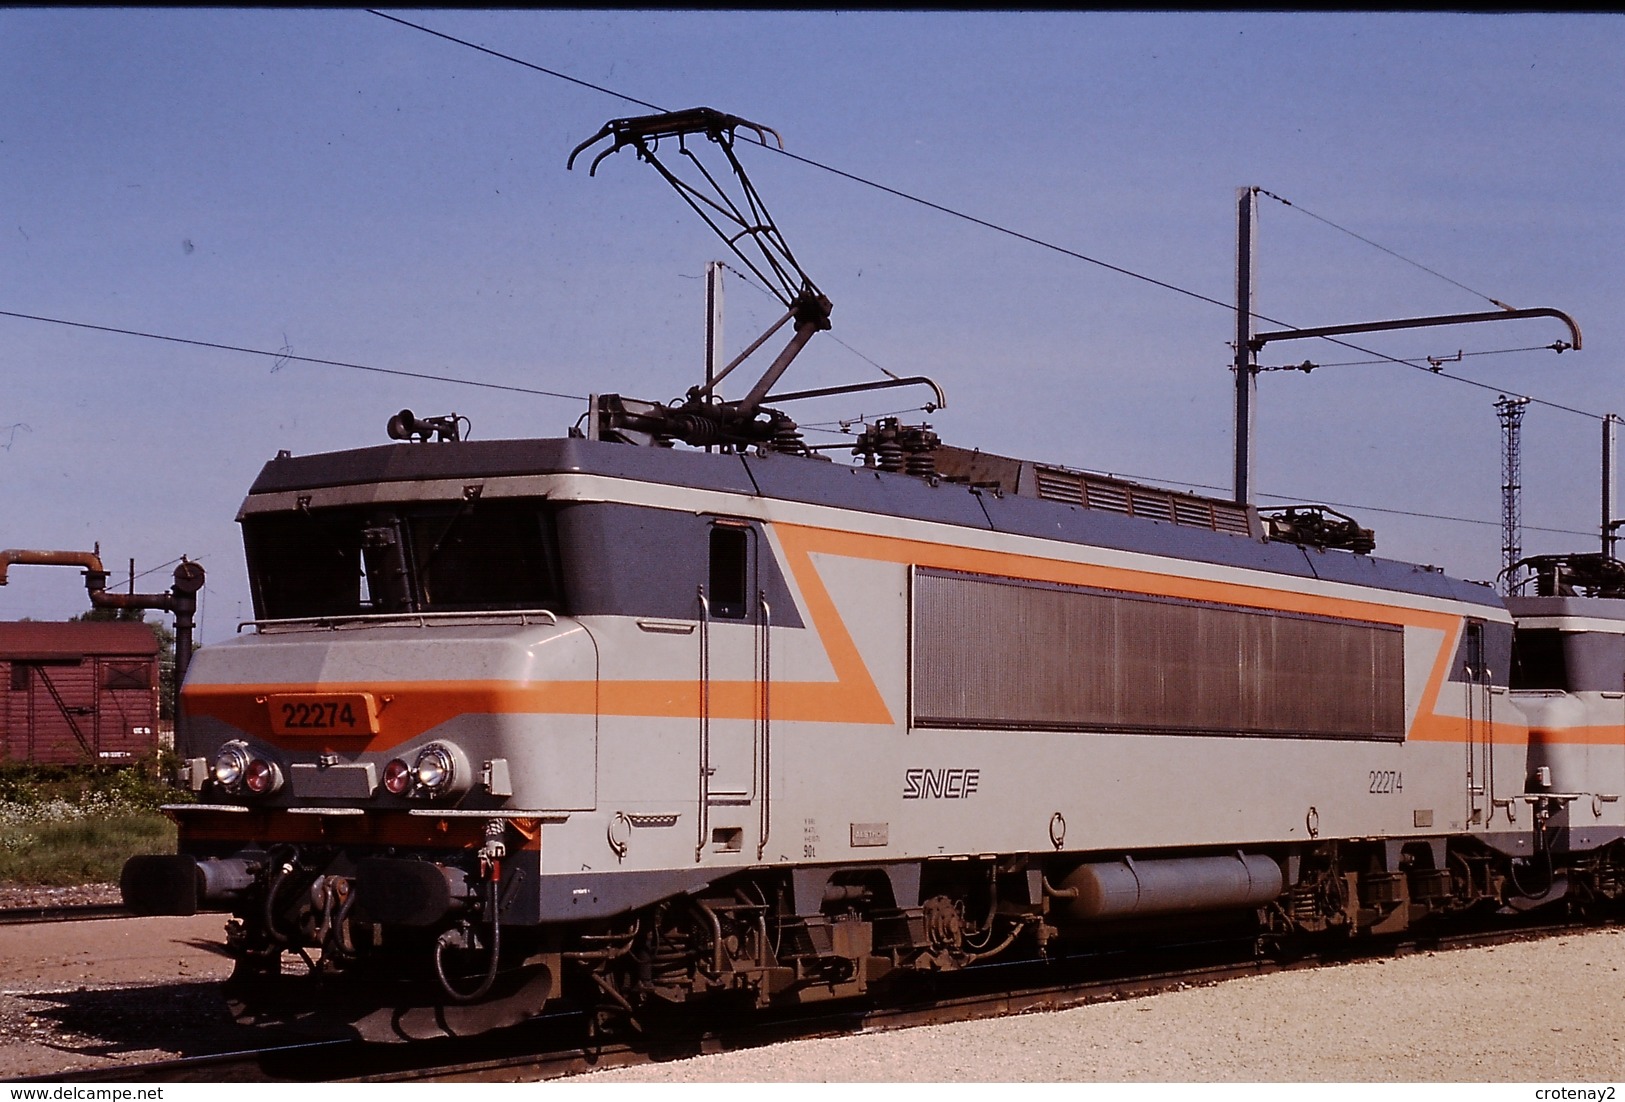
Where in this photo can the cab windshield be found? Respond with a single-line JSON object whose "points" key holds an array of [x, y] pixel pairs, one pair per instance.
{"points": [[468, 556], [1539, 659]]}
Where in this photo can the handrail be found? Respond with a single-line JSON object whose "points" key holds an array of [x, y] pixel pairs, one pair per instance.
{"points": [[703, 816], [764, 820], [385, 617]]}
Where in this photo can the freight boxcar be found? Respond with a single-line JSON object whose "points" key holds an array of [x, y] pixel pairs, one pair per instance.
{"points": [[78, 692]]}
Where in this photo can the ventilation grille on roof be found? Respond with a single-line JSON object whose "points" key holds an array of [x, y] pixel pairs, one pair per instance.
{"points": [[1108, 495]]}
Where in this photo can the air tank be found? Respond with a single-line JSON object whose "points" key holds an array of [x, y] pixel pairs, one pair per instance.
{"points": [[1128, 888]]}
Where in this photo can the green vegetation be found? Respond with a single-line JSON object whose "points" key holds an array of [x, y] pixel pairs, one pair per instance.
{"points": [[61, 826]]}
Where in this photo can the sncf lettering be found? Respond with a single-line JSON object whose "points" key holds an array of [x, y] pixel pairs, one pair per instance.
{"points": [[940, 784]]}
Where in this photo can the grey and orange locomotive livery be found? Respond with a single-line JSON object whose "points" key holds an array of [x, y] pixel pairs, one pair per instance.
{"points": [[529, 720], [607, 722]]}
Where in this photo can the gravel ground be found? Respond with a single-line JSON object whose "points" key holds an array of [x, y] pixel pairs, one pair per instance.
{"points": [[83, 994], [1547, 1011], [30, 895], [114, 991]]}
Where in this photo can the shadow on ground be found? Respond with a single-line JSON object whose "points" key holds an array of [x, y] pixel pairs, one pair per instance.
{"points": [[186, 1019]]}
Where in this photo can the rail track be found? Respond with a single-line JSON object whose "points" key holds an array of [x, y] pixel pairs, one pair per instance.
{"points": [[563, 1045], [64, 912]]}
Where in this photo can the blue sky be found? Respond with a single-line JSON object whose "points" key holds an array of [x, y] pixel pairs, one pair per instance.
{"points": [[346, 188]]}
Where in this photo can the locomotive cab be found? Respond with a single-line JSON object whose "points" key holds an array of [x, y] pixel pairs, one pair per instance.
{"points": [[382, 756], [1568, 678], [374, 756]]}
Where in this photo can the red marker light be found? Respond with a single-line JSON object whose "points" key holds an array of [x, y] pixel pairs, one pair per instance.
{"points": [[397, 777]]}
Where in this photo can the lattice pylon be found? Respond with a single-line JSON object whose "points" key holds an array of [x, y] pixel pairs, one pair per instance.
{"points": [[1511, 412]]}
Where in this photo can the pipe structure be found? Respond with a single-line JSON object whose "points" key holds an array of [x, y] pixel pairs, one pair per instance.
{"points": [[87, 559]]}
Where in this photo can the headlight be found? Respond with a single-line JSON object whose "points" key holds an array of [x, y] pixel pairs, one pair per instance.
{"points": [[435, 769], [237, 768], [230, 764]]}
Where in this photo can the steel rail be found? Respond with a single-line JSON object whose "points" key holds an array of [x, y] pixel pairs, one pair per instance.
{"points": [[239, 1066], [1125, 978], [62, 912], [558, 1046]]}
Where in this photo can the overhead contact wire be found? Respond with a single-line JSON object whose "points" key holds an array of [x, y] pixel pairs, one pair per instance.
{"points": [[1040, 242], [1383, 248], [753, 285], [1413, 361], [951, 212], [288, 357], [517, 60], [1298, 498]]}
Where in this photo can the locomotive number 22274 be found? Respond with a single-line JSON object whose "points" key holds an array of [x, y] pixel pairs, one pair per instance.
{"points": [[319, 714], [1385, 782]]}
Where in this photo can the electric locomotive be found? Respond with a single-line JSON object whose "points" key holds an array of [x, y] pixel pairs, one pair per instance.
{"points": [[607, 721], [529, 720]]}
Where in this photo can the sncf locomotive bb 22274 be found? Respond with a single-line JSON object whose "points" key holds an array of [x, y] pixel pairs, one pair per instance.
{"points": [[615, 723]]}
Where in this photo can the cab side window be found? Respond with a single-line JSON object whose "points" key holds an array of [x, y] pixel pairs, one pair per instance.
{"points": [[727, 583]]}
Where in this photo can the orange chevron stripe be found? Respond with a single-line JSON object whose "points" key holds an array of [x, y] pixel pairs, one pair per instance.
{"points": [[410, 709], [801, 543]]}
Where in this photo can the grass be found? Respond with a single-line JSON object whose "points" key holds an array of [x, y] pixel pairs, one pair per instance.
{"points": [[61, 826]]}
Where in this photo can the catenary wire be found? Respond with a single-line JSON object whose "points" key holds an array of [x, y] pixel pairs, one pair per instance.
{"points": [[518, 61], [1414, 361], [1018, 235], [828, 168], [1382, 248], [1427, 368], [748, 281], [897, 193], [1299, 498], [287, 357]]}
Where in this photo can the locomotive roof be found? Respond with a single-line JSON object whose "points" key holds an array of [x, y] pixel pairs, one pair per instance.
{"points": [[794, 478], [1571, 608]]}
